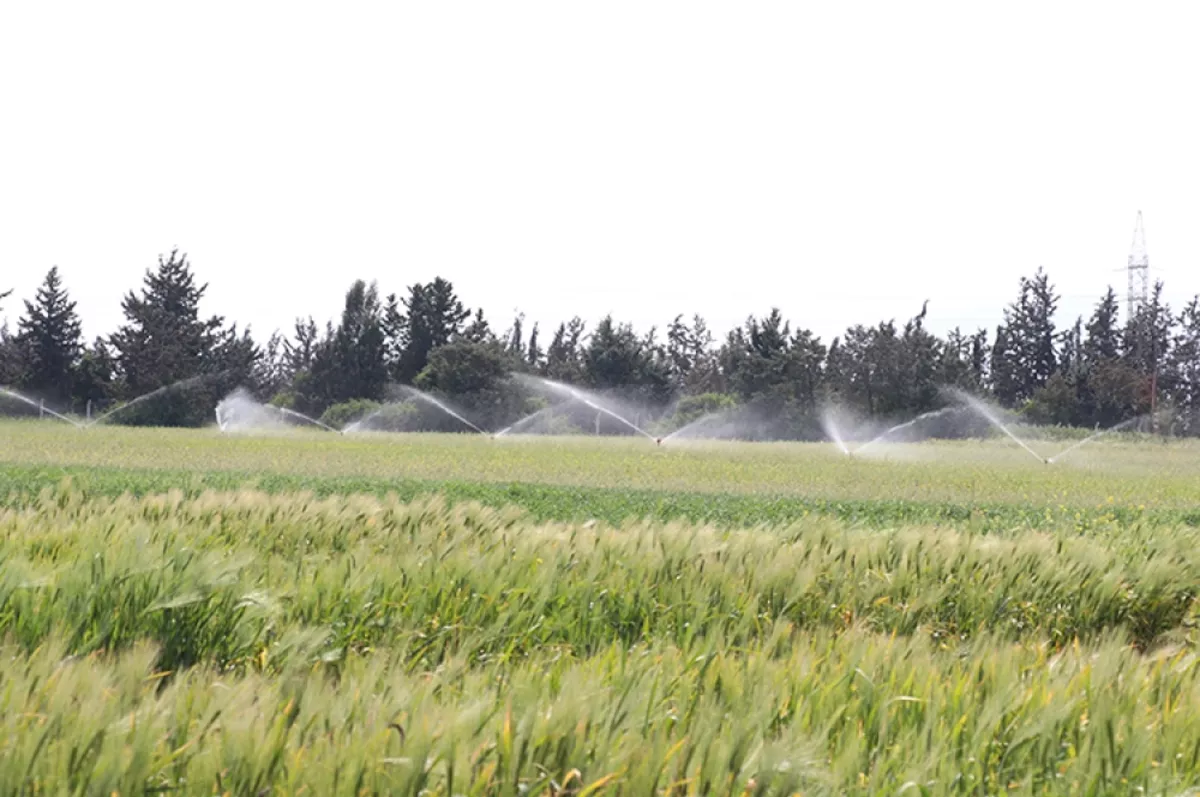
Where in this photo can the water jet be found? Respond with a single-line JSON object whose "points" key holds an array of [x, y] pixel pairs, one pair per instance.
{"points": [[39, 406], [587, 399]]}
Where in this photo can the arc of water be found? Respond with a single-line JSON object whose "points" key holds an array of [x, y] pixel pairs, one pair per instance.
{"points": [[583, 399], [987, 414], [428, 399], [699, 424], [40, 407], [529, 419], [612, 414], [1115, 428], [183, 383], [900, 426], [302, 417]]}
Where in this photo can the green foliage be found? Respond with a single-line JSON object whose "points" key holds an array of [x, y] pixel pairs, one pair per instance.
{"points": [[165, 344], [50, 343], [340, 415], [433, 316], [691, 408], [476, 376]]}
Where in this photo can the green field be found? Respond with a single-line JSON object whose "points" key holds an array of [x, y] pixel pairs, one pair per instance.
{"points": [[196, 613]]}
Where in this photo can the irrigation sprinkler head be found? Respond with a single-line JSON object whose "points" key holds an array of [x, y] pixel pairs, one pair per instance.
{"points": [[658, 441]]}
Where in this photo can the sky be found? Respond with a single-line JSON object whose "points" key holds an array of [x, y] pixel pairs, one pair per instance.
{"points": [[843, 162]]}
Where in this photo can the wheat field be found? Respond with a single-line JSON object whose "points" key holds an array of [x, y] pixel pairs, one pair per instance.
{"points": [[186, 613]]}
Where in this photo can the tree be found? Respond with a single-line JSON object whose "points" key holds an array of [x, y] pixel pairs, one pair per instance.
{"points": [[963, 362], [1024, 356], [1185, 364], [350, 360], [94, 375], [478, 330], [1103, 340], [49, 340], [474, 374], [515, 339], [694, 367], [299, 352], [1148, 343], [360, 346], [761, 360], [920, 355], [271, 371], [534, 355], [433, 315], [164, 340], [564, 357], [617, 360]]}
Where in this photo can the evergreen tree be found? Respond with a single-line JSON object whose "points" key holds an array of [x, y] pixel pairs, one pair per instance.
{"points": [[50, 341], [1024, 356], [1103, 341], [694, 368], [616, 359], [477, 330], [564, 356], [515, 339], [271, 371], [534, 356], [164, 340], [1185, 364], [1148, 340], [433, 316], [94, 376], [920, 356], [805, 370], [359, 348], [762, 363], [298, 353], [11, 366], [1004, 368], [963, 360]]}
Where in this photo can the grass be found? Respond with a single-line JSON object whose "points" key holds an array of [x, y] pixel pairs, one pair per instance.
{"points": [[388, 623]]}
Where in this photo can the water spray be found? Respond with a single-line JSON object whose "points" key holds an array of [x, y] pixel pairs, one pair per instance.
{"points": [[40, 407]]}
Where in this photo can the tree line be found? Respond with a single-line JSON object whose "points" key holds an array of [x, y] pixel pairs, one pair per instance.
{"points": [[1090, 372]]}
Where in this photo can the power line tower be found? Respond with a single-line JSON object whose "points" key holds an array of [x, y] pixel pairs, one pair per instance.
{"points": [[1139, 270]]}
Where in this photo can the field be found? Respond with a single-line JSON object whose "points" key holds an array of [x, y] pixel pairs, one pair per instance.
{"points": [[188, 612]]}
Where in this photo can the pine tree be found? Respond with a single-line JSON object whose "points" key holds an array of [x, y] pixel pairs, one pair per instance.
{"points": [[534, 356], [94, 376], [433, 316], [1103, 340], [1024, 356], [564, 355], [49, 340], [298, 353], [164, 340], [1147, 338], [359, 348], [515, 343], [1185, 363], [478, 330]]}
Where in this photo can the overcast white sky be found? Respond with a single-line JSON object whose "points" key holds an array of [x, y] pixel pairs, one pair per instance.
{"points": [[843, 161]]}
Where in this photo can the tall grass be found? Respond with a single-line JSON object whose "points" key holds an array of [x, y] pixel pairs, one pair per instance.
{"points": [[248, 643], [819, 713], [218, 577]]}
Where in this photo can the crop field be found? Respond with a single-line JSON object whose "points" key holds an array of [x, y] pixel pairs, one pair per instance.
{"points": [[186, 612]]}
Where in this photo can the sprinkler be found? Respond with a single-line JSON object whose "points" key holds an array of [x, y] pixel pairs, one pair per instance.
{"points": [[658, 441]]}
